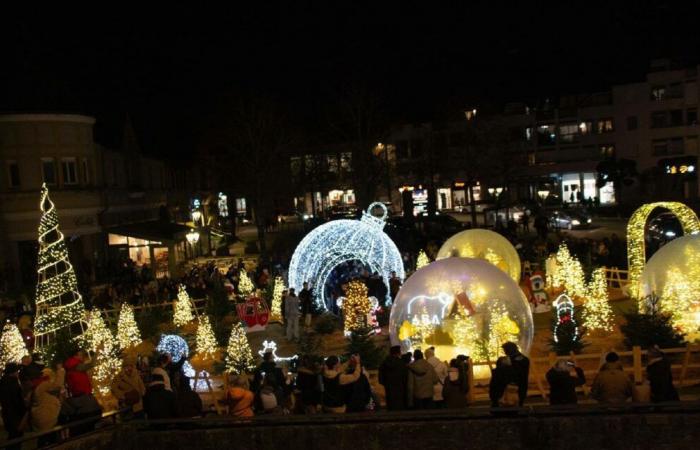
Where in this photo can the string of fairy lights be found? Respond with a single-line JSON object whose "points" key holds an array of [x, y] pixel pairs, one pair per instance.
{"points": [[182, 315], [12, 346], [58, 302], [276, 307], [239, 356], [356, 306], [205, 339], [597, 312], [99, 341], [128, 333]]}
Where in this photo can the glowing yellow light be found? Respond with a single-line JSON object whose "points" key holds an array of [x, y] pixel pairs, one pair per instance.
{"points": [[99, 341], [597, 313], [205, 339], [128, 333], [422, 260], [183, 308], [356, 306], [245, 286], [239, 356], [636, 250], [276, 309], [567, 273], [12, 347]]}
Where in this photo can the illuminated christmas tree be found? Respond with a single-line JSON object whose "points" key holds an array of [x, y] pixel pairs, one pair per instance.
{"points": [[502, 329], [568, 273], [58, 302], [276, 309], [356, 306], [239, 357], [422, 260], [466, 336], [245, 285], [183, 308], [12, 347], [205, 340], [128, 333], [99, 341], [597, 313]]}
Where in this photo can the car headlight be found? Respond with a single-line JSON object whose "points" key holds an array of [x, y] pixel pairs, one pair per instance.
{"points": [[575, 222], [670, 234]]}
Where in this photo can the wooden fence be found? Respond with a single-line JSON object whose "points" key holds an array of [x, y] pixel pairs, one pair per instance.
{"points": [[112, 315], [685, 365]]}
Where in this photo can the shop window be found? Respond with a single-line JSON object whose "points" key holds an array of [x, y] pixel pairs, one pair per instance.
{"points": [[605, 126], [632, 123], [48, 170], [13, 174]]}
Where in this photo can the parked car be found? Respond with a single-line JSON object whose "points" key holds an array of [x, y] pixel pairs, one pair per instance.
{"points": [[569, 219]]}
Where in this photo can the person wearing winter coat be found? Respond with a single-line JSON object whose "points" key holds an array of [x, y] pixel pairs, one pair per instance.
{"points": [[77, 378], [291, 314], [308, 384], [46, 399], [306, 301], [82, 403], [521, 368], [660, 377], [359, 393], [12, 402], [421, 382], [334, 382], [456, 385], [239, 398], [168, 370], [501, 376], [563, 384], [611, 384], [189, 404], [128, 387], [441, 371], [159, 403], [393, 375]]}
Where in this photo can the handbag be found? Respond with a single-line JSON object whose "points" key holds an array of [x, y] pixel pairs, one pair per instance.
{"points": [[510, 396]]}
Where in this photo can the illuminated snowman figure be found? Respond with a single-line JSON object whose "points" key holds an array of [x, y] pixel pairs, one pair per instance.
{"points": [[565, 316]]}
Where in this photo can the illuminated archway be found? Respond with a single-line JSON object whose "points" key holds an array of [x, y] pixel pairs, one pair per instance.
{"points": [[636, 248]]}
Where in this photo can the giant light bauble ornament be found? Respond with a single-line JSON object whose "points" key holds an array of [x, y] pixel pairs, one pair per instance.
{"points": [[338, 241], [461, 306], [483, 244], [670, 282]]}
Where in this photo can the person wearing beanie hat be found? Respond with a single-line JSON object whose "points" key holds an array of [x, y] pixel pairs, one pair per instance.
{"points": [[660, 377], [14, 411], [128, 387]]}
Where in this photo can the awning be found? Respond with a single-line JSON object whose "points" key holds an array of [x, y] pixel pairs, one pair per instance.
{"points": [[153, 230]]}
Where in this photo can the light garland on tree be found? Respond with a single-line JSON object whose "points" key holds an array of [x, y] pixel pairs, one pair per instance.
{"points": [[502, 329], [128, 333], [422, 260], [205, 339], [564, 307], [276, 309], [100, 342], [356, 306], [239, 357], [636, 250], [339, 241], [466, 335], [183, 308], [12, 347], [245, 285], [567, 273], [58, 303], [597, 313]]}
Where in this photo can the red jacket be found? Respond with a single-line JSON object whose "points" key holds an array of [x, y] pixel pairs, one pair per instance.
{"points": [[77, 380]]}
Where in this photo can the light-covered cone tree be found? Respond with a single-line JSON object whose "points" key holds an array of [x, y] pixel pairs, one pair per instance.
{"points": [[276, 309], [568, 273], [597, 313], [59, 305], [205, 340], [239, 357], [422, 260], [356, 306], [128, 333], [245, 285], [12, 347], [183, 308], [99, 341]]}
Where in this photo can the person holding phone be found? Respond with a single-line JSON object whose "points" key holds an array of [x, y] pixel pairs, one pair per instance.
{"points": [[563, 378]]}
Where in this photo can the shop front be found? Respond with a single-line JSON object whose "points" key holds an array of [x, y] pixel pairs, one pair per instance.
{"points": [[580, 187]]}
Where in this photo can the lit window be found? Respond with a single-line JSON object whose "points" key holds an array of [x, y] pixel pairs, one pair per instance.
{"points": [[13, 174], [48, 170], [607, 150], [332, 162], [70, 171], [346, 161], [658, 93], [568, 133], [605, 126], [585, 127]]}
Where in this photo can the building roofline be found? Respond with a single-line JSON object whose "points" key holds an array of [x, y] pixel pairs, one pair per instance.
{"points": [[47, 117]]}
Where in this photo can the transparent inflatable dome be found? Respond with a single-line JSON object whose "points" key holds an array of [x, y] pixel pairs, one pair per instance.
{"points": [[461, 306], [671, 282], [335, 243], [483, 244]]}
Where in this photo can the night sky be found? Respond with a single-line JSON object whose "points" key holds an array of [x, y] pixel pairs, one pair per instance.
{"points": [[171, 69]]}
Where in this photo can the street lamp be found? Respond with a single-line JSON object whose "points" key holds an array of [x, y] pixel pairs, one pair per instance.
{"points": [[543, 194]]}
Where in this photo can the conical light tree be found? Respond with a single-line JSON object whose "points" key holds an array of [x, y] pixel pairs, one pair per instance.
{"points": [[128, 333], [183, 308], [276, 309], [239, 357], [356, 306], [12, 347], [205, 339], [422, 260], [99, 341], [568, 273], [245, 285], [59, 305], [597, 313]]}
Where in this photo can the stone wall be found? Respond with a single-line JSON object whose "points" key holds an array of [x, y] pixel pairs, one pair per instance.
{"points": [[425, 431]]}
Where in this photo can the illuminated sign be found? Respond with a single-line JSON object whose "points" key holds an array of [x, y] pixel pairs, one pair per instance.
{"points": [[674, 169]]}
